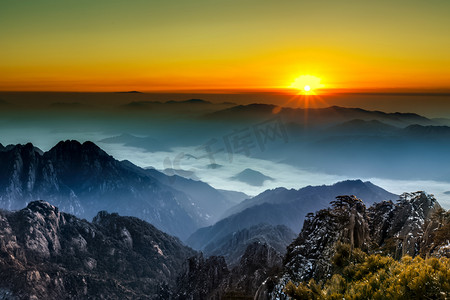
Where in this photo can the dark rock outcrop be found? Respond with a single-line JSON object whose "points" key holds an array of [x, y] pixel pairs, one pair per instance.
{"points": [[259, 263], [234, 245], [396, 229], [309, 255], [211, 279], [399, 228], [48, 254], [200, 278]]}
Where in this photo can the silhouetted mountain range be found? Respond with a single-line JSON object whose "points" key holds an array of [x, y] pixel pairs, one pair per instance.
{"points": [[361, 127], [316, 116]]}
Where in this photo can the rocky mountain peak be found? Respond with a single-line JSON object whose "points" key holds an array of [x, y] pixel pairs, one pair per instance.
{"points": [[345, 221], [200, 278], [420, 201], [395, 229], [101, 217], [48, 254], [211, 279], [42, 207], [258, 256], [38, 229], [72, 148]]}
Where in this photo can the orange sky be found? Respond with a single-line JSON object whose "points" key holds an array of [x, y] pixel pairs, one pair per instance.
{"points": [[199, 45]]}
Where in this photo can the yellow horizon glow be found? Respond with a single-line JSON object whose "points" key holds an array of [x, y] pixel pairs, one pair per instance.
{"points": [[307, 84], [97, 45]]}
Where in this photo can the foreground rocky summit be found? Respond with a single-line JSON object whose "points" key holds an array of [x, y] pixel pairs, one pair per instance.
{"points": [[413, 226], [47, 254]]}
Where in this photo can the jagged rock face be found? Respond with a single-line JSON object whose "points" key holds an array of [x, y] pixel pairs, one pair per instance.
{"points": [[308, 256], [47, 254], [211, 279], [259, 262], [82, 179], [18, 175], [410, 215], [201, 278], [234, 245], [380, 219], [396, 229], [400, 227]]}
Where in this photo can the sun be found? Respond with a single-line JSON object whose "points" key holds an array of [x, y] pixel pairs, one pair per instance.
{"points": [[306, 84]]}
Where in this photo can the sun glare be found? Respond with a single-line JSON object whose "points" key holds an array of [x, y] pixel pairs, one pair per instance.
{"points": [[306, 84], [307, 93]]}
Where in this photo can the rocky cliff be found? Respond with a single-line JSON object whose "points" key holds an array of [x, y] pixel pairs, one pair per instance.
{"points": [[234, 245], [48, 254], [406, 227], [212, 279]]}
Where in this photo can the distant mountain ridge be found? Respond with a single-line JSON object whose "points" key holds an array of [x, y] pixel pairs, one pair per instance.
{"points": [[148, 143], [361, 127], [317, 116], [322, 194], [82, 179], [251, 177], [283, 207], [233, 246]]}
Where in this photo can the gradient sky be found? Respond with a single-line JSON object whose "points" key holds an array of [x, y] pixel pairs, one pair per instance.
{"points": [[222, 44]]}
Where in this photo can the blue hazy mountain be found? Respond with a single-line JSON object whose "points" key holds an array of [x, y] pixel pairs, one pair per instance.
{"points": [[345, 142], [233, 196], [398, 154], [233, 245], [251, 177], [284, 207], [148, 143], [82, 179], [361, 127], [322, 194], [316, 116]]}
